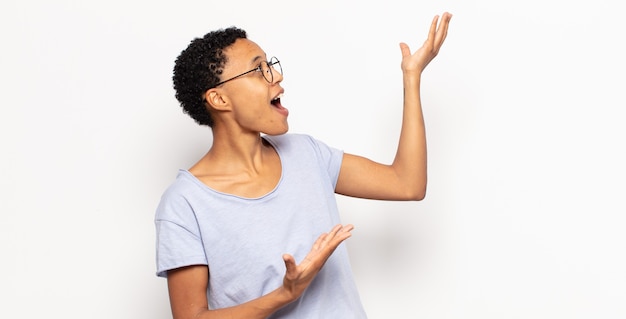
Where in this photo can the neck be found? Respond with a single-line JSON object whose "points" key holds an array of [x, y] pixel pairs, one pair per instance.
{"points": [[235, 152]]}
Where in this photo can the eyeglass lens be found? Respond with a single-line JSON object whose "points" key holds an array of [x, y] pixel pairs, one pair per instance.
{"points": [[268, 67]]}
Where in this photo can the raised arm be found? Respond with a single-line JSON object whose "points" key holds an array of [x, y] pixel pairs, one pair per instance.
{"points": [[188, 286], [405, 178]]}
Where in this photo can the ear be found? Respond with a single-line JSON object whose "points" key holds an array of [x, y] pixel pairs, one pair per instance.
{"points": [[216, 100]]}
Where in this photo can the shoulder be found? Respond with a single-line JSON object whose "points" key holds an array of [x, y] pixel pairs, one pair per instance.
{"points": [[176, 197], [303, 150], [183, 183]]}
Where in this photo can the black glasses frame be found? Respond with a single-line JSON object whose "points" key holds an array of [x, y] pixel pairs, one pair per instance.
{"points": [[270, 65]]}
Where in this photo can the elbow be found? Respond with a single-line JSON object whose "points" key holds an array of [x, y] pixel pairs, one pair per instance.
{"points": [[418, 196], [411, 190], [417, 193]]}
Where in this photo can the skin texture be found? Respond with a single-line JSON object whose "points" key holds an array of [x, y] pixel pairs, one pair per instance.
{"points": [[240, 162]]}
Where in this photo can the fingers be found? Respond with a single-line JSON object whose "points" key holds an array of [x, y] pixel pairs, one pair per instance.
{"points": [[404, 48], [438, 32], [333, 238], [346, 229], [320, 241], [323, 247], [442, 30], [432, 33], [326, 243], [301, 275], [290, 264], [339, 233]]}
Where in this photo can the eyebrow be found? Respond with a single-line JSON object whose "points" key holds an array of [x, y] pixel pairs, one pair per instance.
{"points": [[256, 59]]}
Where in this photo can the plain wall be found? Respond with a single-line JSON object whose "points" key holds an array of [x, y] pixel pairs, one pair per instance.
{"points": [[524, 216]]}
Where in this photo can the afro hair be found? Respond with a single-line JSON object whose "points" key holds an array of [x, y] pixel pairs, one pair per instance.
{"points": [[198, 68]]}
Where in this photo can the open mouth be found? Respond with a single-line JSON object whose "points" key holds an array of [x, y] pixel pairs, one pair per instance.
{"points": [[279, 107], [276, 101]]}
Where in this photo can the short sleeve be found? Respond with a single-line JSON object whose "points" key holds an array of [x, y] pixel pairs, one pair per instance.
{"points": [[331, 157], [327, 158], [178, 237]]}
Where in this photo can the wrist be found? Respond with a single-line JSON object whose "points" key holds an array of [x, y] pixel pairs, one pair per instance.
{"points": [[411, 80], [285, 296], [411, 74]]}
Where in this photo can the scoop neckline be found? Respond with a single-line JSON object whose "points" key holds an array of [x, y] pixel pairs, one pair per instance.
{"points": [[272, 191]]}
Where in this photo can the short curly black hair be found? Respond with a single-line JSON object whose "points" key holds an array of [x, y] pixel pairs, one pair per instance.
{"points": [[198, 69]]}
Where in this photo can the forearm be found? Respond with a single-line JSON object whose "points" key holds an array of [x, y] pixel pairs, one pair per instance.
{"points": [[410, 161], [187, 287], [259, 308], [405, 177]]}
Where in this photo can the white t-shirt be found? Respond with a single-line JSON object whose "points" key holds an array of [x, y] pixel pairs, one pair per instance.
{"points": [[242, 240]]}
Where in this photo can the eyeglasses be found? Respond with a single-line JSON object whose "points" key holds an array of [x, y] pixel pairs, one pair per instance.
{"points": [[265, 68]]}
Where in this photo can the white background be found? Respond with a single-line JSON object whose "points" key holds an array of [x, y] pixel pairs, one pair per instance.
{"points": [[524, 216]]}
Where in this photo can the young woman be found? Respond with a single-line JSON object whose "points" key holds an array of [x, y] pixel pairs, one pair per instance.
{"points": [[260, 194]]}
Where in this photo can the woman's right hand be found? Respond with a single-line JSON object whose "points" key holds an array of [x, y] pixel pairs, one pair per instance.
{"points": [[299, 277]]}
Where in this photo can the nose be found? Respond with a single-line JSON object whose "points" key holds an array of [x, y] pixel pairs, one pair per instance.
{"points": [[278, 77]]}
